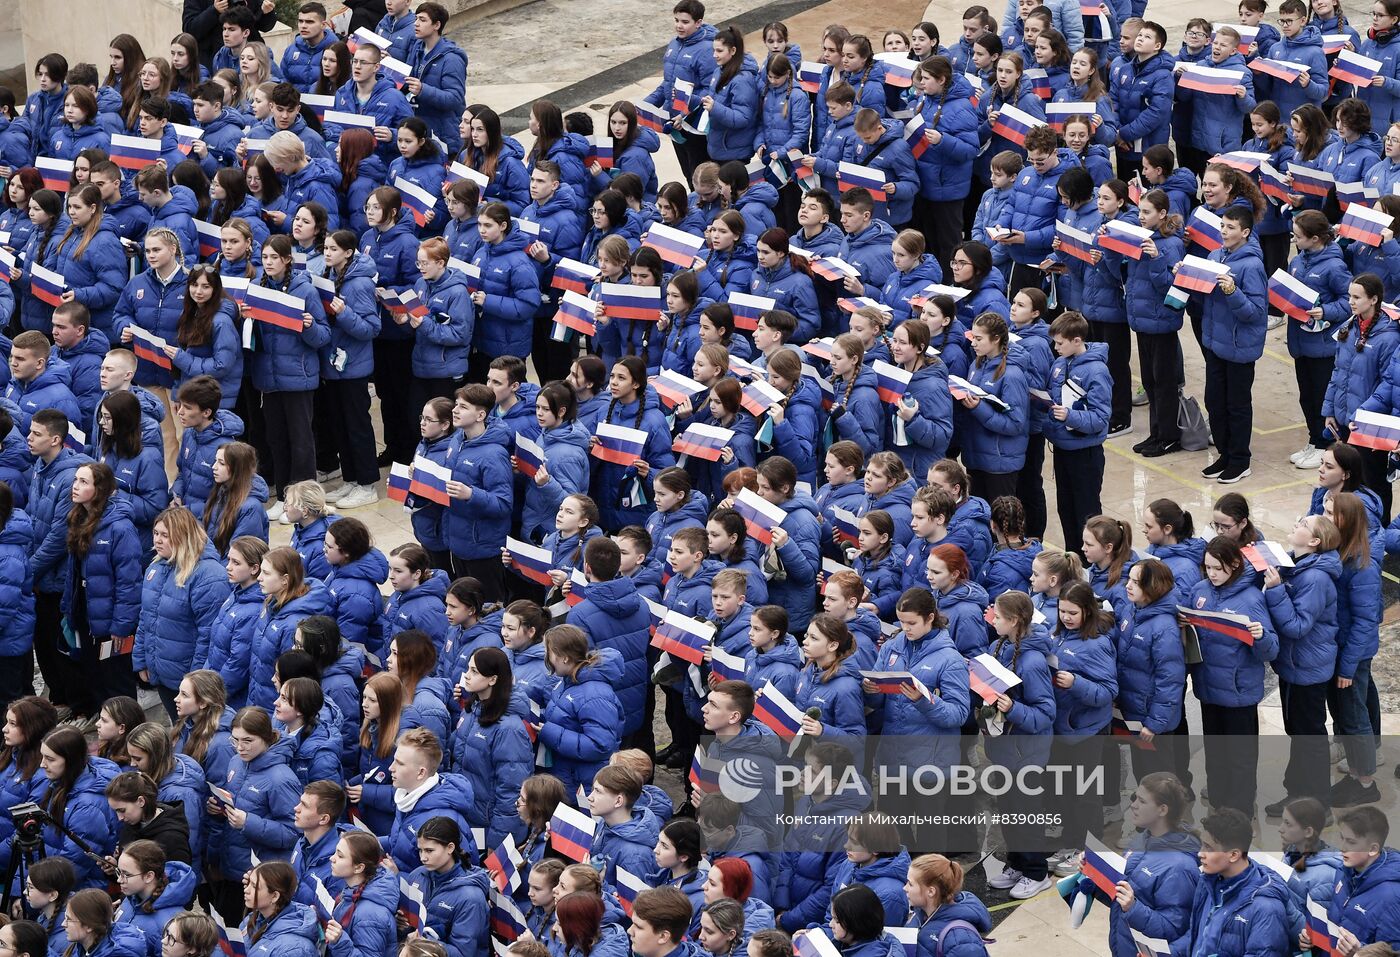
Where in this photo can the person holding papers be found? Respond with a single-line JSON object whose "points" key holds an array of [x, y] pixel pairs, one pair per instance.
{"points": [[510, 289], [1233, 324], [993, 422], [941, 909], [1217, 114], [731, 98], [1080, 388], [1151, 663], [1271, 137]]}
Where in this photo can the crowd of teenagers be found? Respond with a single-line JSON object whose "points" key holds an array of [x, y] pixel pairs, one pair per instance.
{"points": [[789, 423]]}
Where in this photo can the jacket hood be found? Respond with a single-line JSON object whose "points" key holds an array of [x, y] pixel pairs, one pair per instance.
{"points": [[967, 907], [434, 587], [785, 652], [926, 270], [1181, 841], [280, 751], [383, 889], [371, 567], [901, 494], [362, 267], [118, 508], [511, 146], [18, 531], [608, 669], [95, 778], [961, 88], [802, 501], [879, 233], [182, 200], [453, 793], [761, 192], [449, 279], [125, 938], [641, 829], [1328, 563], [618, 598], [495, 434], [570, 433], [373, 168], [297, 920], [1386, 870], [1248, 250], [1310, 35], [967, 591]]}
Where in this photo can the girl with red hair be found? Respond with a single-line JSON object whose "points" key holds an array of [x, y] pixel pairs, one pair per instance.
{"points": [[962, 601]]}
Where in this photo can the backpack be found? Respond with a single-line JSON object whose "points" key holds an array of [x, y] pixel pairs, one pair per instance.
{"points": [[1195, 434]]}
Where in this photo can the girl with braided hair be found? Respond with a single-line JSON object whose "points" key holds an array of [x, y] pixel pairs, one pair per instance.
{"points": [[857, 413], [796, 419], [153, 890], [680, 320]]}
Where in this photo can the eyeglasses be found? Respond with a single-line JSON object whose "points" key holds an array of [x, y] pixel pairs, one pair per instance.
{"points": [[170, 938], [1197, 33], [1223, 526], [125, 876]]}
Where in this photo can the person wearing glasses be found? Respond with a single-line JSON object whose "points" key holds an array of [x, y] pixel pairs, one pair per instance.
{"points": [[1383, 95], [153, 891], [1299, 42], [186, 935], [88, 924]]}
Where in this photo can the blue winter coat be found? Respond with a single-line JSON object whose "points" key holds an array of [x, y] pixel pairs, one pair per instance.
{"points": [[512, 289], [959, 941], [273, 634], [443, 94], [1087, 422], [803, 878], [785, 118], [792, 292], [293, 932], [1006, 569], [443, 339], [861, 415], [611, 483], [110, 604], [993, 440], [1321, 869], [1152, 666], [869, 251], [369, 910], [1217, 120], [251, 517], [174, 898], [495, 758], [1232, 673], [734, 117], [1305, 48], [1084, 708], [1382, 99], [800, 557], [16, 585], [691, 59], [457, 909], [354, 600], [945, 168], [989, 209], [354, 328], [97, 275], [1034, 207], [450, 798], [627, 845], [1325, 271], [1304, 612], [1233, 326], [177, 619], [897, 162], [1148, 280], [900, 287], [991, 100], [582, 720], [939, 665], [840, 699], [184, 788], [566, 461], [476, 527], [1252, 913], [614, 616], [1367, 903], [68, 140], [421, 607], [288, 361], [194, 477], [88, 815], [385, 104], [1142, 95], [1164, 874], [394, 251]]}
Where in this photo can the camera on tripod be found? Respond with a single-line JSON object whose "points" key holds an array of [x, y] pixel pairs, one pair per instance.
{"points": [[29, 819]]}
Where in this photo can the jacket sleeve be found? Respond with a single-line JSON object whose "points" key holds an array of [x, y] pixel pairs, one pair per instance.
{"points": [[1169, 917], [493, 498], [1097, 401], [276, 829], [959, 143], [107, 260], [126, 577], [1066, 12], [513, 185], [226, 347], [206, 596], [523, 298], [948, 708], [468, 926], [801, 557], [1249, 301], [863, 422], [371, 934], [145, 625], [594, 740], [902, 171], [568, 475], [801, 115], [1034, 711], [450, 89], [812, 908], [1335, 305], [457, 330], [318, 333], [1014, 421], [1168, 681], [1365, 604], [513, 760], [1157, 113]]}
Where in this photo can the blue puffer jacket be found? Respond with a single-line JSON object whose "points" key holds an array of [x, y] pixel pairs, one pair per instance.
{"points": [[991, 100], [385, 103], [16, 466], [934, 940], [372, 906], [1087, 422], [354, 328], [837, 141], [1152, 666], [88, 815], [142, 480], [1367, 903], [495, 758], [800, 557], [174, 898], [859, 414], [457, 909], [427, 516], [691, 513], [310, 543], [430, 174], [16, 585], [84, 363], [869, 251], [796, 437], [1184, 559], [443, 95], [1033, 208], [938, 664], [369, 175], [1385, 260], [177, 619], [194, 477], [569, 152], [897, 502], [992, 440], [1217, 121], [1085, 706], [293, 932], [1148, 280], [1163, 873], [1232, 673], [394, 251], [1382, 99], [121, 941], [1104, 288], [274, 633], [610, 482], [316, 747], [221, 136], [1233, 326], [1253, 913], [221, 357], [785, 118], [512, 289], [444, 337], [1305, 49], [48, 390], [177, 215], [475, 527], [1142, 94], [288, 361], [945, 168], [885, 876], [802, 883], [893, 157], [219, 754], [614, 616], [1348, 160], [840, 698], [734, 117], [1304, 612], [251, 517], [964, 605], [111, 571], [971, 530], [421, 607], [1319, 874], [691, 59], [566, 461], [354, 600], [301, 62], [793, 292], [268, 790], [900, 287], [627, 845], [989, 296], [583, 720], [97, 275], [1325, 271], [1031, 719], [1006, 569], [185, 786]]}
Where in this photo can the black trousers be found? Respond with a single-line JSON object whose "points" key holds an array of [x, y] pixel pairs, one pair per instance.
{"points": [[1021, 277], [1030, 486], [690, 153], [1230, 405], [327, 448], [1119, 339], [1078, 484], [552, 359], [941, 222], [1129, 167], [1275, 248], [1232, 755], [421, 390], [1081, 814], [975, 191], [54, 665], [16, 678], [1305, 721], [346, 405], [393, 369], [288, 419], [489, 571], [992, 485], [1313, 374], [1159, 357], [248, 407]]}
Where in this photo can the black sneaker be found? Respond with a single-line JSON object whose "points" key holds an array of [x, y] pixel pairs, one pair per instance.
{"points": [[1215, 468], [1144, 445], [1162, 448], [1275, 810], [1233, 474], [1122, 428], [1349, 792]]}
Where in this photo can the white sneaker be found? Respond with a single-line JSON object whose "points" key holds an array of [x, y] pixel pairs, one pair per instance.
{"points": [[1294, 457], [1026, 888], [1275, 322], [1007, 878], [339, 492], [358, 497], [1067, 866], [324, 477], [1311, 459], [1139, 397], [275, 511]]}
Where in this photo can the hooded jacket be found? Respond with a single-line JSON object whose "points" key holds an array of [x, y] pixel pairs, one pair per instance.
{"points": [[583, 721], [1217, 121], [566, 451], [451, 797], [1232, 673], [987, 297], [1233, 326], [287, 361], [940, 667], [88, 815], [444, 337], [612, 485], [496, 759], [627, 845], [1251, 913], [475, 527], [1146, 284], [1306, 49], [50, 490], [1086, 706], [512, 289], [614, 616], [310, 543], [174, 898], [394, 251], [273, 634], [177, 618], [964, 605], [1164, 875], [691, 59], [793, 292], [1326, 272], [385, 103], [97, 275], [194, 475], [1142, 94], [734, 117], [839, 699], [859, 414], [109, 604], [994, 440], [1304, 612], [945, 167], [16, 585], [1381, 99], [443, 94], [301, 61], [957, 941], [354, 600], [367, 913], [1086, 375], [349, 351], [785, 118], [251, 517], [803, 878], [869, 251], [421, 607], [293, 932], [457, 908], [1152, 666], [1367, 903]]}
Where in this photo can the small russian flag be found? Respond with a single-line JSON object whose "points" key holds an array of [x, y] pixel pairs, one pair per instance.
{"points": [[458, 172], [976, 83], [856, 303], [7, 263], [1348, 193], [325, 285], [210, 239], [622, 300], [600, 150], [1199, 275], [430, 480], [1096, 27], [571, 832], [419, 201], [899, 69], [257, 147], [1203, 229], [1247, 35], [275, 308], [1353, 67], [413, 305], [56, 173], [684, 637], [46, 285], [757, 171], [855, 176], [412, 904], [1264, 555], [1058, 114], [1272, 183], [1205, 79], [1322, 932], [758, 397], [231, 940], [748, 309], [728, 667], [846, 525], [703, 441], [1153, 946], [628, 886], [507, 923], [682, 93], [649, 117], [530, 561], [345, 118], [781, 716], [1309, 181], [76, 439], [149, 346], [1222, 623], [809, 76], [572, 275], [914, 135], [576, 313], [818, 349], [529, 456], [1364, 224], [366, 35], [815, 943], [1242, 160], [504, 864], [824, 384], [674, 388], [236, 288], [400, 477], [1013, 124], [705, 771], [319, 103], [1102, 866], [394, 70], [391, 301], [890, 381], [1124, 238], [1075, 242], [760, 515], [807, 179], [185, 136], [1291, 296], [1286, 70], [829, 267], [133, 152], [1333, 43], [1375, 430], [988, 677], [675, 246], [1039, 82], [619, 444]]}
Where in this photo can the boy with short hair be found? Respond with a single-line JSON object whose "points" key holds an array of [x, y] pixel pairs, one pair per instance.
{"points": [[880, 145], [34, 383], [692, 574], [838, 141], [206, 429], [1366, 901], [1081, 396], [370, 94], [1240, 907], [438, 86], [634, 547], [478, 515], [285, 114], [1006, 166], [320, 806], [123, 209], [1142, 89], [615, 616], [172, 207], [868, 241], [222, 129], [626, 834], [82, 349], [1300, 41], [775, 328], [117, 374], [301, 61], [660, 919], [1027, 221], [237, 24], [730, 613], [930, 514], [653, 798], [689, 57]]}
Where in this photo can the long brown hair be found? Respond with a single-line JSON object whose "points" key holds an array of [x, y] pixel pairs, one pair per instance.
{"points": [[388, 692], [209, 690], [241, 460], [88, 195], [36, 717], [286, 562], [196, 324], [86, 516]]}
